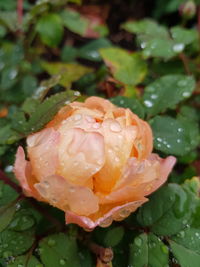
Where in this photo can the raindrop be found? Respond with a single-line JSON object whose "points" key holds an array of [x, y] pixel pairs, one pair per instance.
{"points": [[178, 140], [96, 125], [12, 74], [106, 222], [186, 94], [138, 241], [46, 184], [67, 102], [182, 234], [180, 130], [197, 234], [148, 103], [143, 45], [178, 48], [9, 168], [115, 127], [121, 102], [154, 96], [159, 139], [89, 119], [77, 117], [168, 145], [17, 206], [51, 242], [117, 159], [182, 83], [77, 93]]}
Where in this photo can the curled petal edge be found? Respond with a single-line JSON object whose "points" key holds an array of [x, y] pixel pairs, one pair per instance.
{"points": [[116, 214]]}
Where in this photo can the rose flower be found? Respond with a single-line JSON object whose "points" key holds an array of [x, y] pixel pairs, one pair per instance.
{"points": [[94, 161]]}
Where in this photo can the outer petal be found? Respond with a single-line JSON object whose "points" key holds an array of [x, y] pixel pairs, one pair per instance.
{"points": [[64, 195], [117, 213], [81, 154], [43, 153], [140, 179], [22, 171]]}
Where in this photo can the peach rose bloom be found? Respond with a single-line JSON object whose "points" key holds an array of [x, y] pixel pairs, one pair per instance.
{"points": [[94, 161]]}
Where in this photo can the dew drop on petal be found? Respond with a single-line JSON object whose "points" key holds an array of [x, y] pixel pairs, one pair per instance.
{"points": [[115, 127]]}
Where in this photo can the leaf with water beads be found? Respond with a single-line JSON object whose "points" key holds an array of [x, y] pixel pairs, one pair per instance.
{"points": [[166, 92], [186, 257], [43, 113], [175, 136], [25, 261], [168, 211], [59, 250], [15, 243], [6, 215], [148, 250]]}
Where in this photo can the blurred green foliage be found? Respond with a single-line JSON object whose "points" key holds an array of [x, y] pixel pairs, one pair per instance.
{"points": [[142, 55]]}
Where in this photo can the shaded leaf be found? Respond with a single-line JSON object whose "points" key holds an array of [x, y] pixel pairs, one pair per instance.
{"points": [[127, 68], [50, 29], [6, 215], [70, 72], [25, 260], [74, 21]]}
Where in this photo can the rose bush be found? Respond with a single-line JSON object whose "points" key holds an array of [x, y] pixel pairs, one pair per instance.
{"points": [[94, 161]]}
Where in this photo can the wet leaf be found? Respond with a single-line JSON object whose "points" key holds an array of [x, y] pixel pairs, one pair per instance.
{"points": [[50, 29], [148, 250], [167, 92], [59, 250]]}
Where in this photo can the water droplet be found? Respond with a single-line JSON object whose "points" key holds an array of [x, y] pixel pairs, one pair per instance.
{"points": [[9, 168], [143, 45], [77, 93], [159, 139], [17, 206], [123, 213], [154, 96], [182, 83], [46, 184], [106, 222], [182, 234], [96, 125], [62, 262], [117, 159], [77, 117], [180, 130], [138, 241], [186, 94], [13, 74], [178, 48], [51, 242], [20, 265], [115, 127], [72, 189], [178, 140], [197, 234], [121, 102], [89, 119], [75, 163], [148, 103], [168, 145]]}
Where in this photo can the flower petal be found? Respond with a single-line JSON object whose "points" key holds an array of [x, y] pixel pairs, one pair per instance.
{"points": [[117, 213], [81, 154], [64, 195], [42, 152], [22, 171]]}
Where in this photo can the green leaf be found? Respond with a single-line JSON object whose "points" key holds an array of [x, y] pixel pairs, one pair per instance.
{"points": [[6, 215], [148, 250], [168, 211], [74, 21], [9, 19], [8, 135], [70, 72], [113, 236], [59, 250], [15, 243], [175, 136], [146, 26], [44, 113], [184, 36], [127, 68], [90, 51], [186, 257], [25, 260], [131, 103], [23, 220], [50, 29], [166, 92], [7, 194]]}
